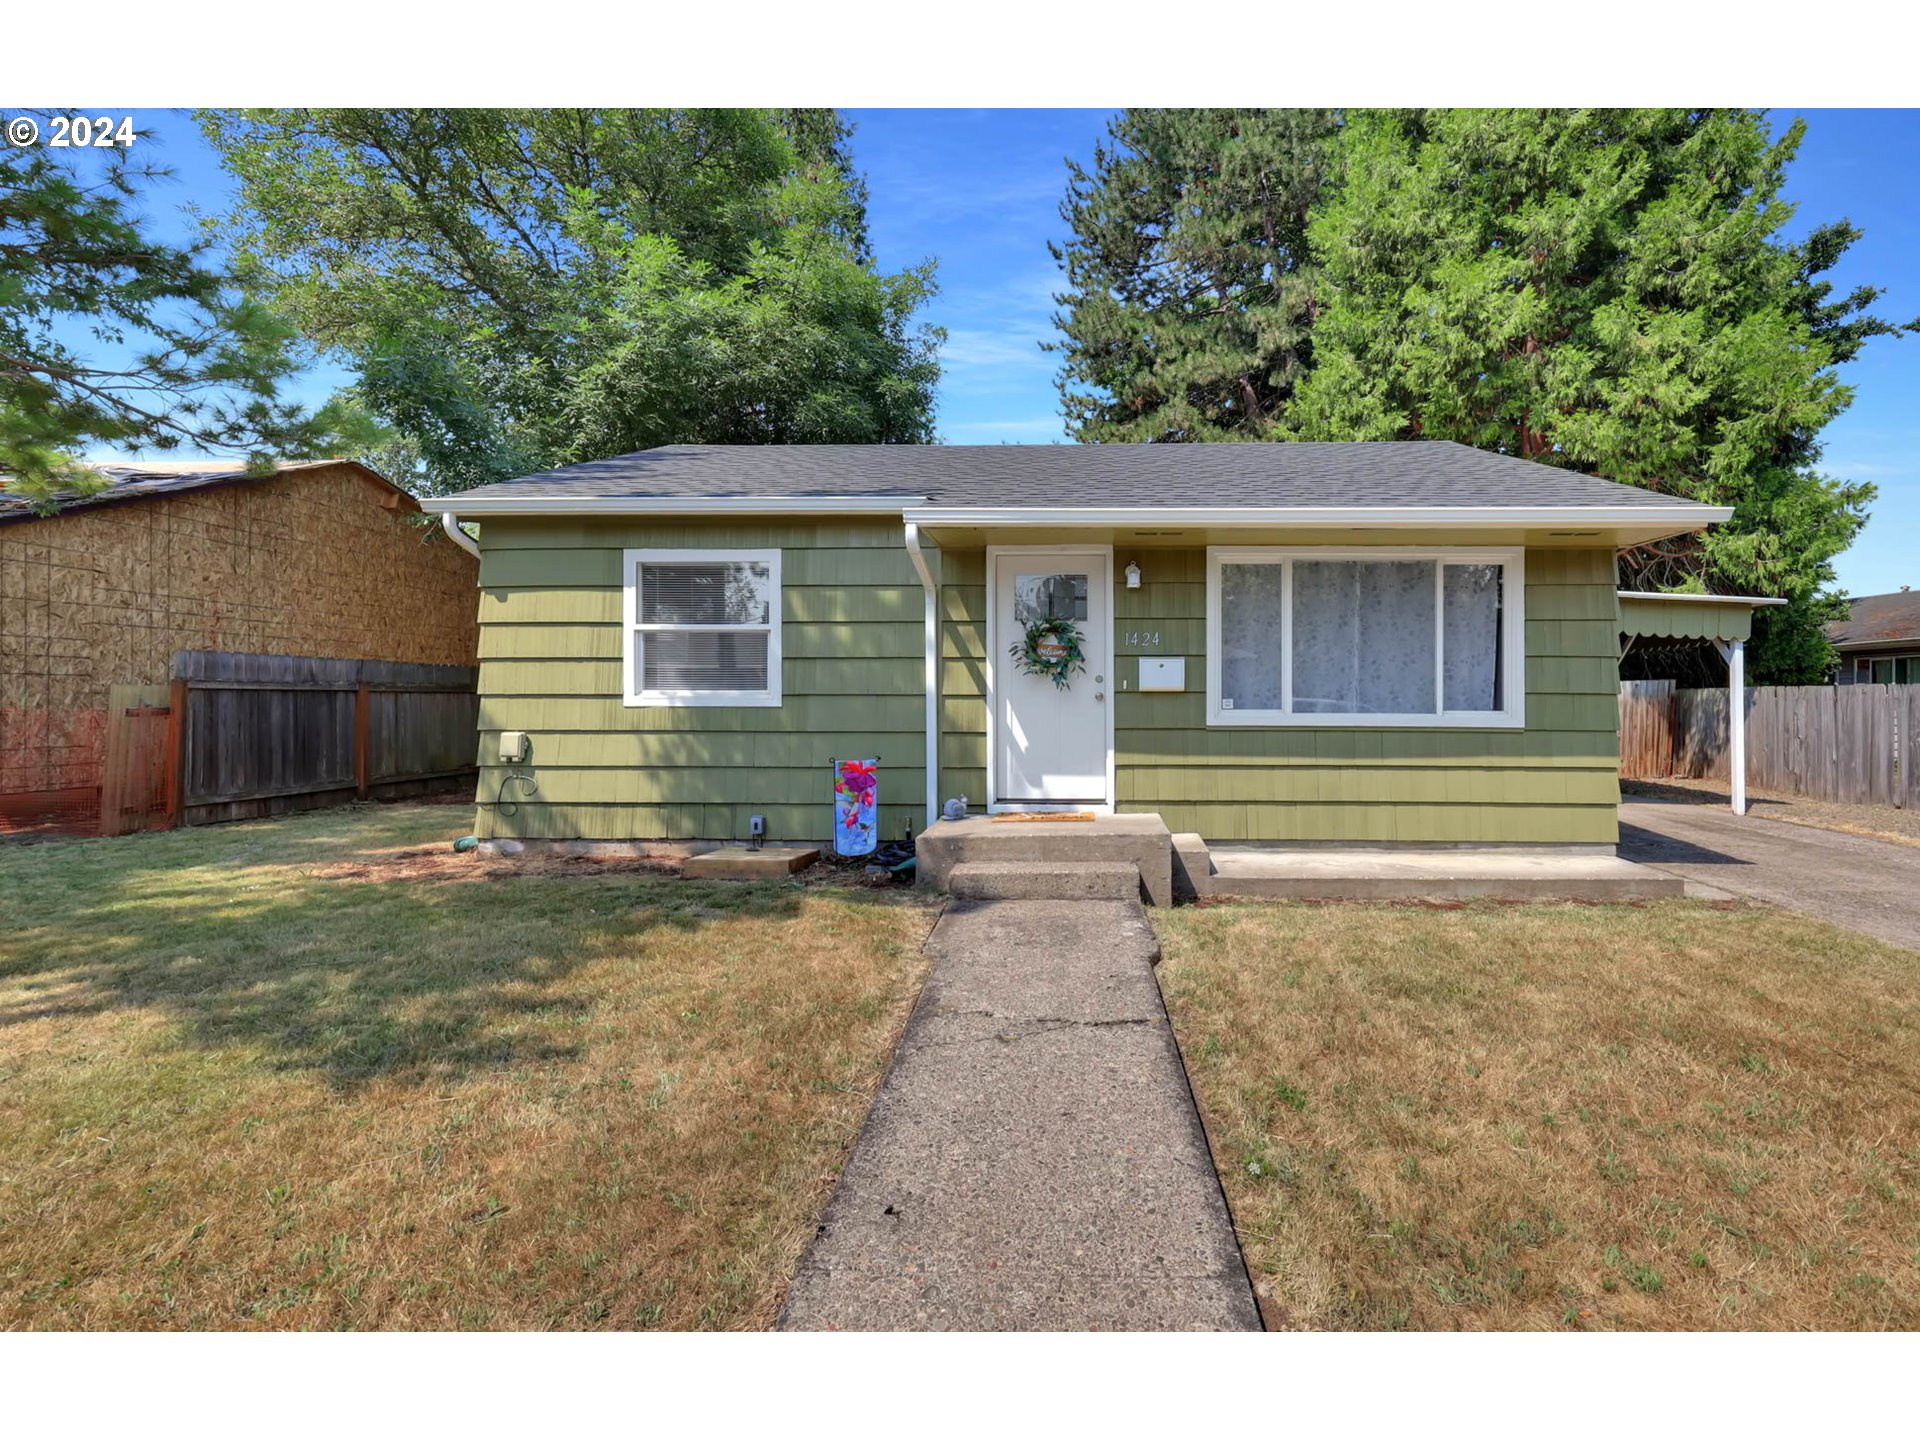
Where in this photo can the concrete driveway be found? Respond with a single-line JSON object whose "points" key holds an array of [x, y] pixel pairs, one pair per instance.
{"points": [[1872, 886]]}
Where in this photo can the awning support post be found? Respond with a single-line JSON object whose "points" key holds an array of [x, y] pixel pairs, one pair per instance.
{"points": [[1735, 654]]}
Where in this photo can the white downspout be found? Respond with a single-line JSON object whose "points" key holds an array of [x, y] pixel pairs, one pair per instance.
{"points": [[459, 537], [933, 669]]}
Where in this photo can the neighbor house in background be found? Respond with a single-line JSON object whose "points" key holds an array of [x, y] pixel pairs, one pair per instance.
{"points": [[1393, 642], [1879, 642], [325, 559]]}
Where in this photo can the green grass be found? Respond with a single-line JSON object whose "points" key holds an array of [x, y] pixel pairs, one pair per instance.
{"points": [[1517, 1117], [321, 1072]]}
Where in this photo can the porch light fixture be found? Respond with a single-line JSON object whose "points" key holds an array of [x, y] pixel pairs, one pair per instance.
{"points": [[1133, 575]]}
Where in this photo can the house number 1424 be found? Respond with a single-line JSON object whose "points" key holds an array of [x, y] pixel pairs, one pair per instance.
{"points": [[1143, 639]]}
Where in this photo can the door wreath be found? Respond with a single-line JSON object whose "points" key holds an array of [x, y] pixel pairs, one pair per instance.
{"points": [[1051, 649]]}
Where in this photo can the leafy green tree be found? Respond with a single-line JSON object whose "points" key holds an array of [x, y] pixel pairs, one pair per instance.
{"points": [[1190, 294], [520, 289], [1606, 290], [110, 337]]}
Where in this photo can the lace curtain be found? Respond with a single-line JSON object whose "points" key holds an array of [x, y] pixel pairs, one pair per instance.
{"points": [[1363, 637], [1470, 637], [1250, 636]]}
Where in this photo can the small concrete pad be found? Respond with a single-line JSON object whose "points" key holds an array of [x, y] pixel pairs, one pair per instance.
{"points": [[1140, 840], [1033, 1160], [1060, 880], [1434, 875], [736, 862]]}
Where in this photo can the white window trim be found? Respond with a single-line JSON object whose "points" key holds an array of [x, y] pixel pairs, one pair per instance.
{"points": [[1512, 637], [632, 629]]}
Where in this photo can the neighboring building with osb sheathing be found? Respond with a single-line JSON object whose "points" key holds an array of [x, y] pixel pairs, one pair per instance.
{"points": [[322, 559]]}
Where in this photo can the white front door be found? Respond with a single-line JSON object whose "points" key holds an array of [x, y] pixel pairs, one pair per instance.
{"points": [[1050, 743]]}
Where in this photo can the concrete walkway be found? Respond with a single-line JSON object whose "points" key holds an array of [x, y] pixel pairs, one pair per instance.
{"points": [[1868, 885], [1033, 1160]]}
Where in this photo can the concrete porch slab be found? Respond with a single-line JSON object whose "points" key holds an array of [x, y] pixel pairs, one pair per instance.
{"points": [[1432, 875], [1140, 840]]}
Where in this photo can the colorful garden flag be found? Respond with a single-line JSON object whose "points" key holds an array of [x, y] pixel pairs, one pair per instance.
{"points": [[856, 817]]}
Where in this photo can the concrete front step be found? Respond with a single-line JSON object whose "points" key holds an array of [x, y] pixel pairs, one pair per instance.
{"points": [[1433, 875], [1141, 841], [1055, 880]]}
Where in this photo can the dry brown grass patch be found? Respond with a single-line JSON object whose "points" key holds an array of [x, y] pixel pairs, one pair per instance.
{"points": [[1556, 1116], [271, 1076]]}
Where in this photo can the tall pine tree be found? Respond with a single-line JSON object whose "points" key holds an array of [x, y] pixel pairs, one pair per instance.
{"points": [[111, 337], [1606, 290], [1189, 297]]}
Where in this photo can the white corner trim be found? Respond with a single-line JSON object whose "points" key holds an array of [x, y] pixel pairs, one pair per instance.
{"points": [[932, 641], [634, 697]]}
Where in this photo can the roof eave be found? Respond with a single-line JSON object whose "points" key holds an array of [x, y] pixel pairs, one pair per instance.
{"points": [[1675, 519], [669, 506], [1640, 523]]}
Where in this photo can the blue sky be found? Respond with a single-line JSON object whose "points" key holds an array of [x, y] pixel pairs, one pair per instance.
{"points": [[979, 191]]}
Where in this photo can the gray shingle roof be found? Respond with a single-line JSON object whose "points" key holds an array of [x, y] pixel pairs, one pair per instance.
{"points": [[1351, 473], [1879, 620]]}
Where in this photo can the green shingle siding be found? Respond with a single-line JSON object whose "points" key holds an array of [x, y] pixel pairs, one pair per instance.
{"points": [[1553, 782], [550, 656], [852, 674], [963, 647]]}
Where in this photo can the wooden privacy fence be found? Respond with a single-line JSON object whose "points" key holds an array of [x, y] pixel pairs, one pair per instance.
{"points": [[237, 736], [1856, 744]]}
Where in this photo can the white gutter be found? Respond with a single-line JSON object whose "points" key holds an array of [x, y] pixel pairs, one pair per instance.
{"points": [[1327, 516], [459, 537], [932, 668], [1700, 599], [667, 506], [1685, 514]]}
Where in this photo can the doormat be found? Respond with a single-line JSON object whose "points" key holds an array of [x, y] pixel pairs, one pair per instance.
{"points": [[1048, 817]]}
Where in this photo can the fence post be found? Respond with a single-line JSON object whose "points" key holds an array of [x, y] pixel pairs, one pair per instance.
{"points": [[176, 753], [362, 732]]}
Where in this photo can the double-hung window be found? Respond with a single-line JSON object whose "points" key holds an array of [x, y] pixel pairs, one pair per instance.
{"points": [[1365, 637], [702, 627]]}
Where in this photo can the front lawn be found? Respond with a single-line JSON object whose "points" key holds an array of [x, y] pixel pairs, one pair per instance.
{"points": [[320, 1072], [1492, 1117]]}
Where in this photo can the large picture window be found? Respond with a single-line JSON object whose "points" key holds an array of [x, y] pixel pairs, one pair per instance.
{"points": [[1364, 637], [702, 627]]}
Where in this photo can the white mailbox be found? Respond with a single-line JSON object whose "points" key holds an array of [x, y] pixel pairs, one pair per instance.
{"points": [[1158, 672]]}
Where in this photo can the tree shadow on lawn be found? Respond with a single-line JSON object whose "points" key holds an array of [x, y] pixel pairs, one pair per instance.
{"points": [[350, 980]]}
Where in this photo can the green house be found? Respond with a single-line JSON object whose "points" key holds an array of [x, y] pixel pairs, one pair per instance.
{"points": [[1370, 643]]}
